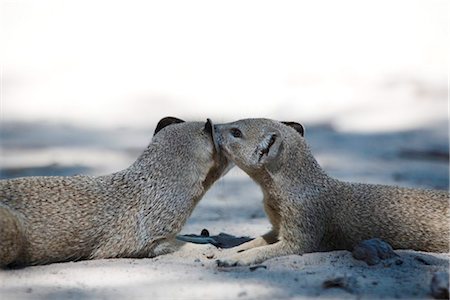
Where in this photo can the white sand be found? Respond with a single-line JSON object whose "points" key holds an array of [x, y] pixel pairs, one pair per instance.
{"points": [[232, 206]]}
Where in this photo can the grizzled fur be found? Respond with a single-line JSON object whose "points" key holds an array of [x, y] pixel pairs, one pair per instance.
{"points": [[311, 211], [132, 213]]}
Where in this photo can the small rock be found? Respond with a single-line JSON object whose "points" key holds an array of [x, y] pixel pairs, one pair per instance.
{"points": [[440, 285], [197, 260], [373, 251]]}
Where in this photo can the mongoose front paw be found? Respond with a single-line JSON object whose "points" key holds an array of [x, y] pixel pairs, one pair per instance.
{"points": [[231, 262], [206, 251], [225, 263], [235, 261]]}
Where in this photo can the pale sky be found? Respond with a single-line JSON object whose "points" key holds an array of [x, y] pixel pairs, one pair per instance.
{"points": [[362, 65]]}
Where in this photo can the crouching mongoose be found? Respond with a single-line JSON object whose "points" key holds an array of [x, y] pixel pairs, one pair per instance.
{"points": [[310, 211], [135, 212]]}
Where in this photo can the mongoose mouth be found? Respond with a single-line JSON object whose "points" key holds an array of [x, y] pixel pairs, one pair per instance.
{"points": [[266, 144]]}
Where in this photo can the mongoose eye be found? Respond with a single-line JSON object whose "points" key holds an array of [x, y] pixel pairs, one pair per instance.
{"points": [[236, 132]]}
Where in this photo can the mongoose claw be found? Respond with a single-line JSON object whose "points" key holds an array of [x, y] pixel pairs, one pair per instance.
{"points": [[373, 251]]}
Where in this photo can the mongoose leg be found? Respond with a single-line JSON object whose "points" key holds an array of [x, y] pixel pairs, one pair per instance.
{"points": [[11, 237], [264, 240], [256, 255]]}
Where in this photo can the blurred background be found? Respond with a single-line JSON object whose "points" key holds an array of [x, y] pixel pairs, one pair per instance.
{"points": [[83, 83]]}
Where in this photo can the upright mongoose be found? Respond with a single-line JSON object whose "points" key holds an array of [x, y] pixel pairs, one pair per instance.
{"points": [[310, 211], [135, 212]]}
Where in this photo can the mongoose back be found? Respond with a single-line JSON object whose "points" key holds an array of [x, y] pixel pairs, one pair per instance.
{"points": [[310, 211], [135, 212]]}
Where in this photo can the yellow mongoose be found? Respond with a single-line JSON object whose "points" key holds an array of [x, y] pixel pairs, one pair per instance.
{"points": [[310, 211], [135, 212]]}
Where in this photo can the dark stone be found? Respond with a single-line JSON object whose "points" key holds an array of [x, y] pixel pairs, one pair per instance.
{"points": [[373, 251]]}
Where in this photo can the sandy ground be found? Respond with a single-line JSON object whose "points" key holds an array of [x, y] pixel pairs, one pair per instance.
{"points": [[234, 206], [190, 275]]}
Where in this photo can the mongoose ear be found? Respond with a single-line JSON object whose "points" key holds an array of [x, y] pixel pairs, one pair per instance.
{"points": [[297, 126], [209, 129], [270, 148], [164, 122]]}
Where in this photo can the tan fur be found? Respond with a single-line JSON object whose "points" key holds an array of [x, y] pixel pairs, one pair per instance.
{"points": [[135, 212], [311, 211]]}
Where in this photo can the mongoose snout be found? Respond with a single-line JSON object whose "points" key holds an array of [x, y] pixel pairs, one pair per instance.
{"points": [[311, 211], [136, 212]]}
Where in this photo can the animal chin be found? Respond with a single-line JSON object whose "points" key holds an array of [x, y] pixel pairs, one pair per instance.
{"points": [[264, 147]]}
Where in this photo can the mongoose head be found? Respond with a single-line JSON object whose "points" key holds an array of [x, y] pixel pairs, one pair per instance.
{"points": [[257, 145], [191, 147]]}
